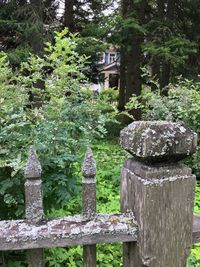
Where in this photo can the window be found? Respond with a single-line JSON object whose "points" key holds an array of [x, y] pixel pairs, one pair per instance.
{"points": [[112, 57], [101, 58]]}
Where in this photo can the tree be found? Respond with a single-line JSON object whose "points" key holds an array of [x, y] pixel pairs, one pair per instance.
{"points": [[37, 20], [167, 46], [22, 27], [157, 34], [63, 124], [78, 13], [69, 15], [132, 31], [87, 18]]}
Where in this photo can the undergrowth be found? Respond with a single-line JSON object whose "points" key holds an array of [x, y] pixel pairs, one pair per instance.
{"points": [[109, 157]]}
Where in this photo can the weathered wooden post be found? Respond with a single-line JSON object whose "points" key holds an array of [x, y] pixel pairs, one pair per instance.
{"points": [[89, 203], [160, 192], [34, 203]]}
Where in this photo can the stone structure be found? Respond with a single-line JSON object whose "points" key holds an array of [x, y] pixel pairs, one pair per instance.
{"points": [[158, 141], [34, 203], [89, 202], [159, 191]]}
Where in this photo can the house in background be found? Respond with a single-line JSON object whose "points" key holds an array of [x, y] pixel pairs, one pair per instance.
{"points": [[109, 63]]}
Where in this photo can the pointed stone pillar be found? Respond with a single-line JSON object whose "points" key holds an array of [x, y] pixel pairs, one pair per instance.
{"points": [[89, 203], [34, 203]]}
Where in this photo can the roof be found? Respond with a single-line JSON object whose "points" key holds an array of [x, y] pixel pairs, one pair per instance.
{"points": [[112, 65]]}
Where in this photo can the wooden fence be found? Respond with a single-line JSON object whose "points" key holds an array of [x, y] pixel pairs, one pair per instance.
{"points": [[156, 225]]}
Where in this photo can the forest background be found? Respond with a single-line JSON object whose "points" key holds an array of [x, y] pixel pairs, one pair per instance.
{"points": [[45, 70]]}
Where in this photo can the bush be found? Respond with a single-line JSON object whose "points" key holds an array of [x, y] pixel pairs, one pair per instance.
{"points": [[44, 104], [110, 94], [182, 105], [109, 157]]}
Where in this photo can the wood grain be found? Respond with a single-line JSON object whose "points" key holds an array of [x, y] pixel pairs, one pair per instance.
{"points": [[162, 203]]}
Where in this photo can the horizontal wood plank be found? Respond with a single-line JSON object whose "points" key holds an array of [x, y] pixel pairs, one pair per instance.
{"points": [[67, 231], [75, 230]]}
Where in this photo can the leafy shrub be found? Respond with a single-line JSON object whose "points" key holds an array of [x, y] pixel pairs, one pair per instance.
{"points": [[44, 104], [109, 157], [183, 105], [110, 94]]}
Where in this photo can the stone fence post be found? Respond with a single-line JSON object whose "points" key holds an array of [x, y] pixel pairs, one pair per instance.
{"points": [[34, 204], [89, 203], [160, 192]]}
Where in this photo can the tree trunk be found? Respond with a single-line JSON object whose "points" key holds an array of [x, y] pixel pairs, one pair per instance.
{"points": [[165, 78], [131, 56], [165, 73], [122, 87], [133, 75], [69, 15], [37, 34], [155, 66]]}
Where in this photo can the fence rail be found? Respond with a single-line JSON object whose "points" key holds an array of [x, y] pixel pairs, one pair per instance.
{"points": [[156, 225], [67, 231], [74, 230]]}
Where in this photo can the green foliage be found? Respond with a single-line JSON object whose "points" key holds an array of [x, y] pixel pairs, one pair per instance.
{"points": [[194, 259], [182, 104], [175, 50], [109, 157], [44, 104], [21, 27], [110, 95], [197, 199], [60, 257], [18, 55]]}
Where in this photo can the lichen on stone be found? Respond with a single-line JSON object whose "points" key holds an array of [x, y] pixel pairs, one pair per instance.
{"points": [[89, 164], [33, 168]]}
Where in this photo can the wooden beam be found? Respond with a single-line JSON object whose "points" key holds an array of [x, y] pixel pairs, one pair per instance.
{"points": [[67, 231], [70, 231]]}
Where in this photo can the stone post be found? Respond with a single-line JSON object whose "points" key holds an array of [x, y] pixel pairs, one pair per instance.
{"points": [[89, 203], [34, 203], [160, 192]]}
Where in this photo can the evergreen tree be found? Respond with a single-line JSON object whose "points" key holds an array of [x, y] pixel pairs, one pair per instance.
{"points": [[132, 37], [89, 20], [168, 46], [22, 27], [162, 34]]}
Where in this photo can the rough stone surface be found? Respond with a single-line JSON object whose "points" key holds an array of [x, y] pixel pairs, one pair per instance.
{"points": [[34, 204], [89, 203], [70, 231], [33, 168], [89, 164], [34, 201], [67, 231], [158, 140]]}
